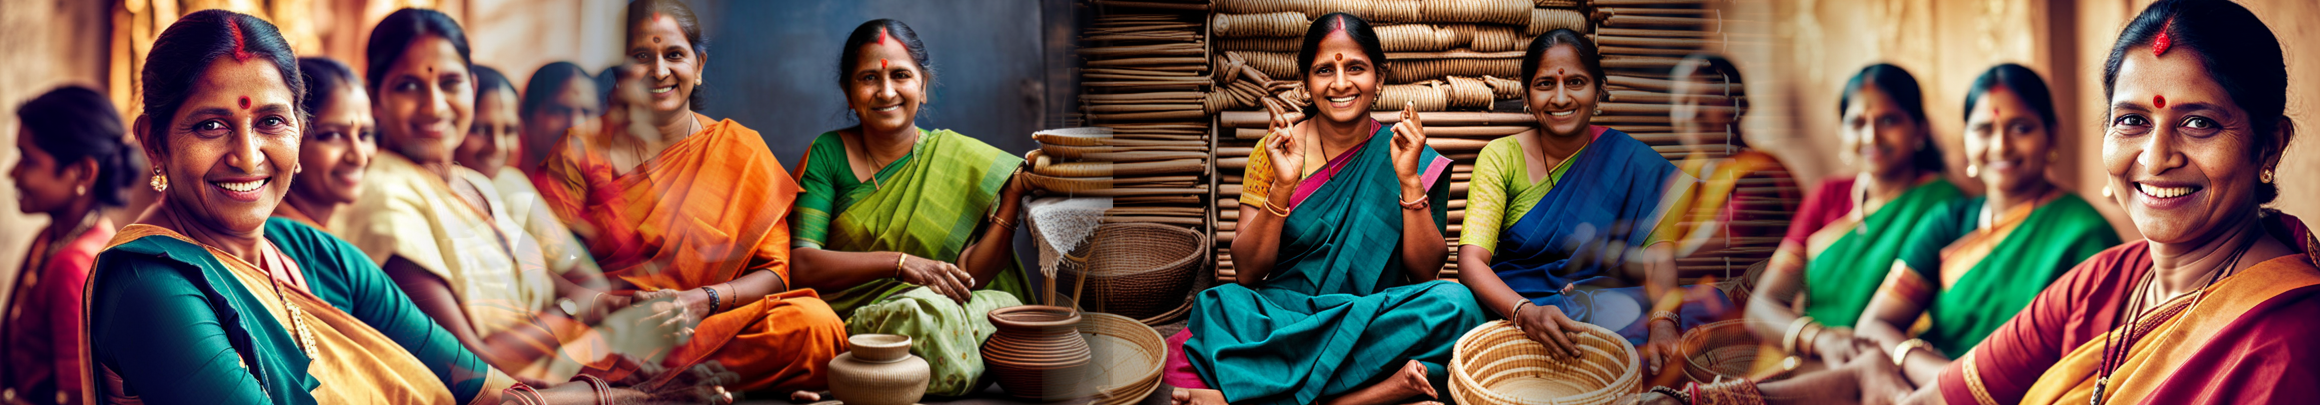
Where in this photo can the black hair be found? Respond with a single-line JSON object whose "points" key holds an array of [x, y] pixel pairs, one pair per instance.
{"points": [[1901, 86], [183, 52], [2239, 52], [323, 76], [488, 80], [1709, 63], [605, 80], [867, 33], [396, 33], [1588, 55], [2023, 82], [1355, 28], [641, 10], [73, 123], [546, 83]]}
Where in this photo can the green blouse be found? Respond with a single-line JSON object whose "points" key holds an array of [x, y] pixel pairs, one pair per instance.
{"points": [[176, 326]]}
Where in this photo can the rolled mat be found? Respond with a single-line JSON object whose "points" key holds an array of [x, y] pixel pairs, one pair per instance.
{"points": [[1550, 19], [1280, 24]]}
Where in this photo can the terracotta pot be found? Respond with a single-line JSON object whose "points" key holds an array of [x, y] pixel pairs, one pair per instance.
{"points": [[878, 370], [1038, 353]]}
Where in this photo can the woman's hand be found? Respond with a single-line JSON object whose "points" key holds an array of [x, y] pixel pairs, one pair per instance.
{"points": [[1662, 348], [1548, 326], [1837, 346], [942, 277], [1881, 381], [675, 312], [1287, 155], [1409, 144]]}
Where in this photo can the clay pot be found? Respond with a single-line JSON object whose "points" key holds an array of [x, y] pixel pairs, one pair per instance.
{"points": [[878, 370], [1038, 353]]}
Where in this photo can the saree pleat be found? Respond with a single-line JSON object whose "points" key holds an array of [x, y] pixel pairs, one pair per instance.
{"points": [[1337, 312], [1840, 280]]}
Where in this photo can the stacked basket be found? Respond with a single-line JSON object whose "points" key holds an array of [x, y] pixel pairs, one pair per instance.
{"points": [[1495, 364]]}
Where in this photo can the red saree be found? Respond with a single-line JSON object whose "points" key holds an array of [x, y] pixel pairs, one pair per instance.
{"points": [[2247, 341]]}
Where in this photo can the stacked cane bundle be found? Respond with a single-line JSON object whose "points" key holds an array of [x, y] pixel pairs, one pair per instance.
{"points": [[1145, 96]]}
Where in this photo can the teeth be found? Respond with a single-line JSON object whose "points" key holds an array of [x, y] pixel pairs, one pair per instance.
{"points": [[242, 187], [1342, 99], [885, 109], [659, 90], [2164, 192], [1563, 114]]}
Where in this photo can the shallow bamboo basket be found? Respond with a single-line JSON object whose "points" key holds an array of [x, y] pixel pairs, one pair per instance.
{"points": [[1723, 348], [1127, 358], [1495, 364]]}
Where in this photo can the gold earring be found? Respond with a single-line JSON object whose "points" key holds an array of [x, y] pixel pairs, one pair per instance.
{"points": [[80, 190], [2266, 176], [160, 182], [2106, 191], [1973, 170]]}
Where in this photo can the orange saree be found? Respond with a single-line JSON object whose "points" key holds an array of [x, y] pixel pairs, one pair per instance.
{"points": [[709, 209]]}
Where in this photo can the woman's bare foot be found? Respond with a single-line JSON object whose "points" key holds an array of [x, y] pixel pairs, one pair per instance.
{"points": [[803, 396], [1408, 383], [1186, 396]]}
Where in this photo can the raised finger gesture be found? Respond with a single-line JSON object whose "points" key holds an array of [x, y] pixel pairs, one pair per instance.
{"points": [[1286, 153], [1409, 143]]}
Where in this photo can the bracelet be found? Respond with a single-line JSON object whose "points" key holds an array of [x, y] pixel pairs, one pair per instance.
{"points": [[1276, 209], [1669, 316], [899, 257], [596, 384], [1514, 316], [1901, 351], [1812, 334], [715, 304], [1419, 204], [1738, 391], [1679, 395], [519, 393], [1795, 327]]}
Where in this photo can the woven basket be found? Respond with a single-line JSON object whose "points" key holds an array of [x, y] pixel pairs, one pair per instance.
{"points": [[1469, 93], [1425, 97], [1419, 70], [1723, 348], [1127, 357], [1281, 24], [1416, 38], [1137, 270], [1492, 38], [1549, 19], [1504, 89], [1495, 364]]}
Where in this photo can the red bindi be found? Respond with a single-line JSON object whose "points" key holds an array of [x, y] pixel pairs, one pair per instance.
{"points": [[881, 64], [245, 102], [2160, 101], [1558, 71], [1340, 56], [656, 40]]}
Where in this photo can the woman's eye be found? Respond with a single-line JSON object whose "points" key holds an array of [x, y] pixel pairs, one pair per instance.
{"points": [[674, 56], [207, 127], [2201, 127], [2130, 124], [1356, 69], [406, 86]]}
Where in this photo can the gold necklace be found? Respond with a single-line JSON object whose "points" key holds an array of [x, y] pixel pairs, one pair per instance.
{"points": [[304, 333]]}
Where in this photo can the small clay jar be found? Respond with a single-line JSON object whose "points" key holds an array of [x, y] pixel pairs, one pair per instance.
{"points": [[1038, 353], [878, 370]]}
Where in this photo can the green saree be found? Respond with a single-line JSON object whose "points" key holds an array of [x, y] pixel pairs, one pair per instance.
{"points": [[925, 204], [1840, 280], [2008, 274]]}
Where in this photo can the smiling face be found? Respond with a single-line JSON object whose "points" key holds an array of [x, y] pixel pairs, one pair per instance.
{"points": [[1343, 81], [886, 87], [230, 149], [336, 149], [1561, 95], [671, 66], [426, 102], [1880, 134], [2008, 141], [494, 132], [2180, 149], [573, 107], [42, 183]]}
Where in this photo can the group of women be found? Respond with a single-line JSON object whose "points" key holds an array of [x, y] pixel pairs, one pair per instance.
{"points": [[460, 241], [1892, 285]]}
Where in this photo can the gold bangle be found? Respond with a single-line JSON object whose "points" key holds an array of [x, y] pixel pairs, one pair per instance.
{"points": [[1901, 351], [1669, 316], [1276, 209], [1812, 335], [1795, 327], [1421, 203], [899, 257]]}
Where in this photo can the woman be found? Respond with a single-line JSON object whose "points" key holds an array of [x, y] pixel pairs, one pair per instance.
{"points": [[2008, 244], [491, 140], [1734, 215], [339, 141], [910, 259], [442, 231], [677, 205], [1845, 238], [1570, 189], [73, 164], [1341, 240], [299, 317], [562, 97]]}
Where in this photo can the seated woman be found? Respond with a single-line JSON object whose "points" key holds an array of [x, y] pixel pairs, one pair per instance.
{"points": [[442, 231], [1734, 216], [932, 256], [338, 143], [1846, 236], [2212, 307], [676, 205], [2009, 243], [562, 97], [491, 141], [1571, 190], [206, 300], [1341, 241], [73, 164]]}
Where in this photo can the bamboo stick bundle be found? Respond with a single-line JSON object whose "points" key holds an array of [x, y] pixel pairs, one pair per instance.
{"points": [[1278, 24]]}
